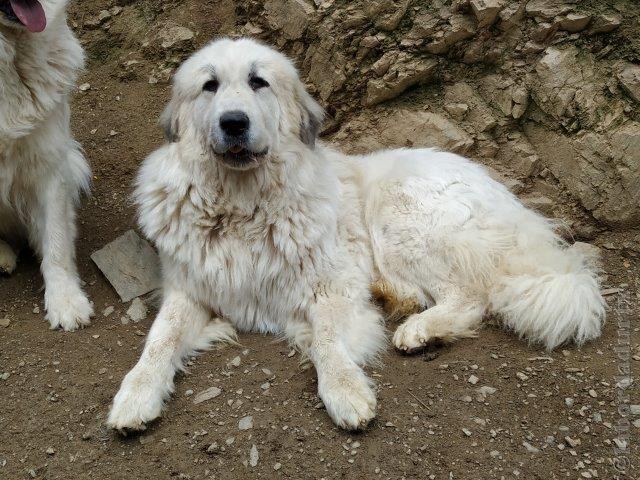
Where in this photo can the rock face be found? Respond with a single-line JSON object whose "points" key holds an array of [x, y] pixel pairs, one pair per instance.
{"points": [[175, 36], [568, 89], [584, 165], [408, 128], [398, 73], [546, 92], [486, 11], [630, 81], [290, 17]]}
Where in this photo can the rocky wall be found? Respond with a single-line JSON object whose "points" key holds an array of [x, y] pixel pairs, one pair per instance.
{"points": [[545, 92]]}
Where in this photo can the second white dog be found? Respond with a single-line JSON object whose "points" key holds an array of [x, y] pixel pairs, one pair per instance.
{"points": [[262, 229], [42, 169]]}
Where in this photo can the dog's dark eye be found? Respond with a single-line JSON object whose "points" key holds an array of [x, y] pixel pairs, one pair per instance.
{"points": [[211, 86], [257, 83]]}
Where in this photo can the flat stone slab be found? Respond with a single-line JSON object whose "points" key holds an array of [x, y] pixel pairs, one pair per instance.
{"points": [[130, 264]]}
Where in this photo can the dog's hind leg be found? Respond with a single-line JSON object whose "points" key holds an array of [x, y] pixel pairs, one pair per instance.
{"points": [[52, 232], [181, 328], [8, 258], [452, 318]]}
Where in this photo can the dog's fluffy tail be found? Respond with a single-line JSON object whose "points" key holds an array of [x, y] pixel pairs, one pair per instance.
{"points": [[555, 301]]}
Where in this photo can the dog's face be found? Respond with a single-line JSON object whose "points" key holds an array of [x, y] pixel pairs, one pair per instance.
{"points": [[240, 100], [31, 15]]}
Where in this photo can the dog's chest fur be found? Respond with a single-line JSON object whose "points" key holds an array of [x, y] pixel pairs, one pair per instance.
{"points": [[37, 73], [257, 265]]}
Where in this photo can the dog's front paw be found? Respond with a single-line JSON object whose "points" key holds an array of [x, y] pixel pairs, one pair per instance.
{"points": [[136, 403], [8, 259], [67, 307], [349, 399]]}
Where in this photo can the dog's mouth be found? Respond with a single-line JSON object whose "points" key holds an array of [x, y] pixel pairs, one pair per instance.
{"points": [[240, 158], [28, 13]]}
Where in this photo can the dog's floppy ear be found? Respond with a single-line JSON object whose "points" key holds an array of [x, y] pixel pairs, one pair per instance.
{"points": [[169, 121], [312, 116]]}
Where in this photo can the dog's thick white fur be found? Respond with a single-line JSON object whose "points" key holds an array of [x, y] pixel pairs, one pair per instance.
{"points": [[289, 236], [42, 170]]}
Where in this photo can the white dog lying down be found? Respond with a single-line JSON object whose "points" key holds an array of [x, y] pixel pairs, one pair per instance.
{"points": [[42, 170], [264, 230]]}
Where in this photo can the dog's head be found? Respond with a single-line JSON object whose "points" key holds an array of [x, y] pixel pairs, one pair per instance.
{"points": [[241, 101], [31, 15]]}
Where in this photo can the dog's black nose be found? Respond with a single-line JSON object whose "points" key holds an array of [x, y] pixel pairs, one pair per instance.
{"points": [[234, 123]]}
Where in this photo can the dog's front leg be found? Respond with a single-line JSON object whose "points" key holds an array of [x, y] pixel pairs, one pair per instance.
{"points": [[347, 393], [181, 327], [53, 232]]}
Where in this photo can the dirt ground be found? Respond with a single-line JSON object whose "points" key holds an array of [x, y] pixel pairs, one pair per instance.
{"points": [[551, 415]]}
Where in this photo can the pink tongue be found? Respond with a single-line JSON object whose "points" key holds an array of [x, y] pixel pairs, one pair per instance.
{"points": [[31, 14]]}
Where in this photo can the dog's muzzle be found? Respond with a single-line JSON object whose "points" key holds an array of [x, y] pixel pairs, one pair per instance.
{"points": [[235, 150]]}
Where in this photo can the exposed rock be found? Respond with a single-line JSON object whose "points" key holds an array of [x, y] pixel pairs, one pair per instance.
{"points": [[541, 204], [424, 129], [568, 88], [486, 11], [253, 456], [137, 311], [486, 390], [235, 361], [213, 449], [207, 394], [459, 28], [532, 47], [520, 156], [404, 128], [511, 16], [245, 423], [629, 79], [486, 146], [603, 176], [575, 22], [588, 249], [175, 37], [457, 110], [543, 31], [547, 9], [425, 25], [605, 23], [386, 14], [498, 91], [98, 20], [291, 17], [405, 72], [520, 99], [480, 115], [130, 265], [325, 66]]}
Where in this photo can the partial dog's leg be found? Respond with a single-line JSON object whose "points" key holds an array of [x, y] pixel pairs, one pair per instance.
{"points": [[52, 230], [452, 318], [182, 327], [8, 258], [347, 393]]}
